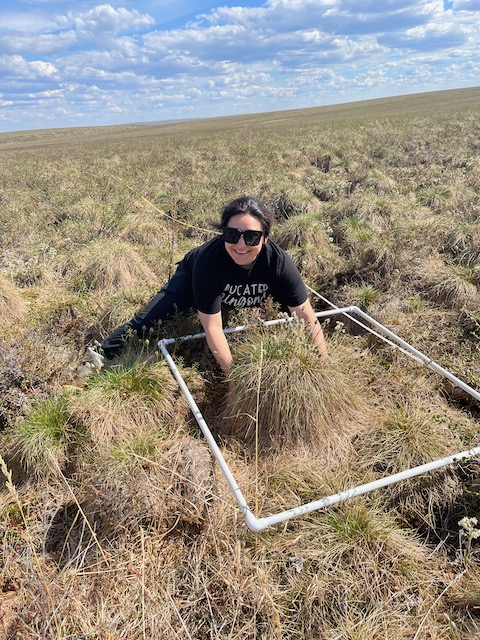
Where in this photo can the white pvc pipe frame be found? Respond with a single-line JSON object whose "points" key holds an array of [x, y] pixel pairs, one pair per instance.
{"points": [[258, 524]]}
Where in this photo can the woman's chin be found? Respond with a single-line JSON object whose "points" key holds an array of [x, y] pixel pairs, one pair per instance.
{"points": [[242, 259]]}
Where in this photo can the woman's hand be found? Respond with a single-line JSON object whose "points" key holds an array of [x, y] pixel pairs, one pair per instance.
{"points": [[305, 312], [216, 340]]}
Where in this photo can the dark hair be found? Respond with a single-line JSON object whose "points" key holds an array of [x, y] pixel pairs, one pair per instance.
{"points": [[250, 206]]}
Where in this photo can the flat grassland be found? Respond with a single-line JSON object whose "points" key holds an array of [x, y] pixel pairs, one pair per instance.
{"points": [[115, 521]]}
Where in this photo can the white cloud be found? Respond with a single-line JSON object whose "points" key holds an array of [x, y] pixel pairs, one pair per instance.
{"points": [[105, 19], [37, 44], [331, 16], [11, 66]]}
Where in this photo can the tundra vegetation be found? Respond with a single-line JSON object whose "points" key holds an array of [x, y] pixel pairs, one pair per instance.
{"points": [[115, 521]]}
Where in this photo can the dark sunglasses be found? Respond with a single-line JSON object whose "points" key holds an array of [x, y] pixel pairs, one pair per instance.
{"points": [[232, 236]]}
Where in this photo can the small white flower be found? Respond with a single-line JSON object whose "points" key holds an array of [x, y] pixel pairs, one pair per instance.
{"points": [[468, 524]]}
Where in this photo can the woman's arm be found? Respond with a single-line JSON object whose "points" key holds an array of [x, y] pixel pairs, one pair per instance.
{"points": [[216, 340], [305, 311]]}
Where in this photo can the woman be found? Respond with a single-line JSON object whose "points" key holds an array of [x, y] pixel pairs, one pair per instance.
{"points": [[237, 269]]}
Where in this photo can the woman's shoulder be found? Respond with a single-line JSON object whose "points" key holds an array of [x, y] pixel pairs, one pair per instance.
{"points": [[206, 252], [275, 252]]}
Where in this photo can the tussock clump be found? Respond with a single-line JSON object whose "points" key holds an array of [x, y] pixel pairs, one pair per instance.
{"points": [[44, 442], [124, 305], [343, 565], [462, 241], [12, 304], [454, 286], [144, 228], [302, 398], [323, 162], [149, 481], [307, 239], [410, 436], [64, 313], [437, 197], [297, 201], [127, 398], [374, 208], [328, 188], [301, 230], [363, 295], [109, 265], [372, 245], [380, 182]]}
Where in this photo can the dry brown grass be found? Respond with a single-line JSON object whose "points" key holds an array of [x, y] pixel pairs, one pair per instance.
{"points": [[124, 304], [12, 304], [454, 286], [144, 227], [149, 481], [130, 397], [410, 436], [307, 240], [283, 394], [105, 266]]}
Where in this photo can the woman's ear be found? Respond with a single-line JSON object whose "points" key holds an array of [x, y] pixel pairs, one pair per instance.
{"points": [[265, 240]]}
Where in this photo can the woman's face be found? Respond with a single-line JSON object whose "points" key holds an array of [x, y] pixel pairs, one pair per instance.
{"points": [[242, 254]]}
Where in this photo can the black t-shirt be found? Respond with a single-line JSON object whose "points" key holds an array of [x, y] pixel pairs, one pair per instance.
{"points": [[217, 280]]}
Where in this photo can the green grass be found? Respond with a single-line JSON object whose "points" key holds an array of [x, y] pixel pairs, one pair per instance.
{"points": [[47, 438]]}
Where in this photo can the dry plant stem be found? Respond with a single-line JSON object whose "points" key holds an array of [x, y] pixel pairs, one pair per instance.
{"points": [[434, 604], [182, 622], [92, 532], [13, 491], [144, 629]]}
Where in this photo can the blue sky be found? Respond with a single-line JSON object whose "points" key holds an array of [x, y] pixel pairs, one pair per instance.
{"points": [[83, 63]]}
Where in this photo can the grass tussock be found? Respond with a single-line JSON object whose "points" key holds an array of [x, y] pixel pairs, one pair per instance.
{"points": [[123, 305], [284, 395], [106, 266], [361, 560], [451, 285], [410, 436], [45, 440], [12, 304], [306, 238], [129, 398], [149, 481]]}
